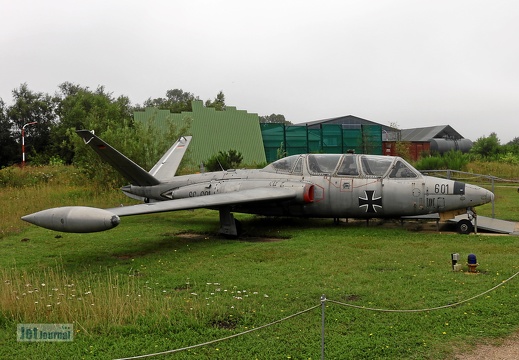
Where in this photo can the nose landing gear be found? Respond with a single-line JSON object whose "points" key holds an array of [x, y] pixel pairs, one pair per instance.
{"points": [[465, 226]]}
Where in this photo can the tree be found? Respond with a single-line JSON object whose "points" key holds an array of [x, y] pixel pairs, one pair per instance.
{"points": [[176, 101], [81, 108], [9, 150], [514, 141], [218, 103], [274, 119], [32, 106], [511, 147], [486, 147], [143, 143]]}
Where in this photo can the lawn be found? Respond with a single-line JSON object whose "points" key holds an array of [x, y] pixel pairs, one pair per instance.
{"points": [[167, 281]]}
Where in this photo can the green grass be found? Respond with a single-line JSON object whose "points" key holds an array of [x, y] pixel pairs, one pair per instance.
{"points": [[154, 289], [166, 281]]}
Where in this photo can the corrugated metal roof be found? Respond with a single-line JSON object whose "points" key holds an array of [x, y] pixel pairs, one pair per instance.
{"points": [[346, 121], [427, 133], [214, 131]]}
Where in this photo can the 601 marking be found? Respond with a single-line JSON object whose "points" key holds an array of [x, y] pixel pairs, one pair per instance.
{"points": [[441, 188]]}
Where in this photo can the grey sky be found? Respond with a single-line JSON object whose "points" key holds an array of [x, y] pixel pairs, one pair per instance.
{"points": [[410, 62]]}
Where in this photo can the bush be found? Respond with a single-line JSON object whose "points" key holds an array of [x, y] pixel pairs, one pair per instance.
{"points": [[224, 160], [452, 160]]}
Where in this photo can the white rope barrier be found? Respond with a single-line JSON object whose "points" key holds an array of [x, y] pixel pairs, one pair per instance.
{"points": [[428, 309], [222, 339], [323, 299]]}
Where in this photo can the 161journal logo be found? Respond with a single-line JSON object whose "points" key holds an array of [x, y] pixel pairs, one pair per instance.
{"points": [[45, 332]]}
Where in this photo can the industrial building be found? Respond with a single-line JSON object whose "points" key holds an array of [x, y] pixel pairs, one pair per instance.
{"points": [[215, 131]]}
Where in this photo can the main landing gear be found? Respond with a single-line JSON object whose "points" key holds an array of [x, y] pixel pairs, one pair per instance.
{"points": [[229, 226]]}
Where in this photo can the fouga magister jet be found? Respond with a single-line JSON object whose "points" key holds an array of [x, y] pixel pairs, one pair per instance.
{"points": [[308, 185]]}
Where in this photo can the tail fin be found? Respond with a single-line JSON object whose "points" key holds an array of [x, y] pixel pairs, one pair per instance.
{"points": [[167, 166], [135, 174]]}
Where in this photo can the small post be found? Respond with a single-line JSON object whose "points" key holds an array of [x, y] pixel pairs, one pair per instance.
{"points": [[454, 258], [323, 306], [493, 205]]}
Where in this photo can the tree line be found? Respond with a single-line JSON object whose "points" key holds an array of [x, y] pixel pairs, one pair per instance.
{"points": [[51, 138], [51, 120]]}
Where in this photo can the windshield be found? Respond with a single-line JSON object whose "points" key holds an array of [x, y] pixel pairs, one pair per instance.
{"points": [[402, 170]]}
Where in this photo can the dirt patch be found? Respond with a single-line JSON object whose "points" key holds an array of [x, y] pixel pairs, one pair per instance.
{"points": [[351, 297], [229, 323], [261, 239], [508, 350], [194, 236]]}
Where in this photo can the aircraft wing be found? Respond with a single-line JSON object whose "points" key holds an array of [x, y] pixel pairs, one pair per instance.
{"points": [[82, 219], [208, 201]]}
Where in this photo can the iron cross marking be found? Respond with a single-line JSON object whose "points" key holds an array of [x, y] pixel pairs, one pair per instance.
{"points": [[370, 202]]}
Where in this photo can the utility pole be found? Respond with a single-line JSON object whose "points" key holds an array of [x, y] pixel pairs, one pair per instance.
{"points": [[23, 141]]}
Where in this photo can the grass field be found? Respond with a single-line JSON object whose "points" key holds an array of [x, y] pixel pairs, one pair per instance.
{"points": [[166, 281]]}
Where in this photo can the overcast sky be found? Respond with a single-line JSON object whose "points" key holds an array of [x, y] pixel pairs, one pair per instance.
{"points": [[406, 62]]}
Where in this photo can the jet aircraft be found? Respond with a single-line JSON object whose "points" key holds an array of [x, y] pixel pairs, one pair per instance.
{"points": [[307, 185]]}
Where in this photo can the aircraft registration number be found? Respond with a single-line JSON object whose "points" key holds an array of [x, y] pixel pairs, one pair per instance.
{"points": [[201, 193], [441, 188]]}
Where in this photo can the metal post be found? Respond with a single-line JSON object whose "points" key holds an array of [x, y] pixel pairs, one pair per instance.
{"points": [[493, 205], [285, 141], [23, 142], [323, 306]]}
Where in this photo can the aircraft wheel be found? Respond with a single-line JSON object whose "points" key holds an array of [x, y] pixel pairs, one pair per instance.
{"points": [[464, 227]]}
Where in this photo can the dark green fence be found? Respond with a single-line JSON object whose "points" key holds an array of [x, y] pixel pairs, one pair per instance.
{"points": [[280, 140]]}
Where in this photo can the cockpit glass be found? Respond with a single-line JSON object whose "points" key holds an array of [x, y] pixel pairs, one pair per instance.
{"points": [[401, 170], [298, 169], [348, 166], [322, 164], [375, 165], [284, 165]]}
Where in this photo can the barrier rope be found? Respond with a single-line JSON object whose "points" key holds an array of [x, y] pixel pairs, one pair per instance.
{"points": [[222, 339], [428, 309], [324, 299]]}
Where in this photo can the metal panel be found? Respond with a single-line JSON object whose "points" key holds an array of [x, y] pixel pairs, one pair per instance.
{"points": [[296, 140], [332, 138], [214, 131], [352, 140], [372, 139], [273, 140]]}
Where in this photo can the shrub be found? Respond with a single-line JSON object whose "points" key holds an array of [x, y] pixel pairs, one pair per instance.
{"points": [[453, 160], [224, 160]]}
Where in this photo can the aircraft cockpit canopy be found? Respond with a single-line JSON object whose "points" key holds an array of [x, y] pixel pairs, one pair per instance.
{"points": [[350, 165], [287, 165]]}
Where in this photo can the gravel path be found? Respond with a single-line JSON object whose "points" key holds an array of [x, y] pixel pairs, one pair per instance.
{"points": [[508, 350]]}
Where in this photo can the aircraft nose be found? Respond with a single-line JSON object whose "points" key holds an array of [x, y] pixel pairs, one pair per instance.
{"points": [[490, 196], [478, 195]]}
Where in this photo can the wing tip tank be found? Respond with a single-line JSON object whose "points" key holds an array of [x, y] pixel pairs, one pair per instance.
{"points": [[74, 219]]}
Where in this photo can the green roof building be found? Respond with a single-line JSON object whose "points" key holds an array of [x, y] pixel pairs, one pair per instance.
{"points": [[213, 131]]}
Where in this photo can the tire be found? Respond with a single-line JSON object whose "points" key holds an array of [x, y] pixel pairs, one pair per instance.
{"points": [[464, 227]]}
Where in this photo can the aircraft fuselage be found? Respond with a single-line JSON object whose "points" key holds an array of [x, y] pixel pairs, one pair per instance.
{"points": [[332, 194]]}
